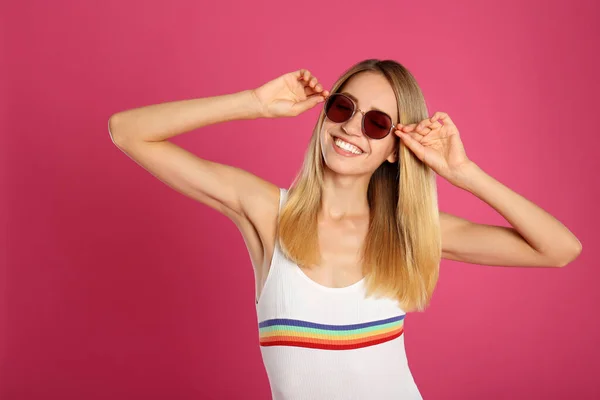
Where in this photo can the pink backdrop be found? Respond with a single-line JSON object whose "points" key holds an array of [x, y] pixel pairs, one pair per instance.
{"points": [[117, 287]]}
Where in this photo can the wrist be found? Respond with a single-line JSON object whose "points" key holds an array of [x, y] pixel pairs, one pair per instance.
{"points": [[256, 108], [467, 173]]}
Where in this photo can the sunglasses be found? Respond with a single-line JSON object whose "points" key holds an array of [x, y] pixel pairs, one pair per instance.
{"points": [[341, 108]]}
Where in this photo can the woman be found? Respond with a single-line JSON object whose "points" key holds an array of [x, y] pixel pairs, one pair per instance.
{"points": [[356, 242]]}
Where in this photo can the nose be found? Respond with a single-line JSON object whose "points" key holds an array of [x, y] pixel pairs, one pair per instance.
{"points": [[353, 126]]}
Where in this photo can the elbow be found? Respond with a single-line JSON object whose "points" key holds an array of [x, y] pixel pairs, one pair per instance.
{"points": [[113, 130], [572, 256]]}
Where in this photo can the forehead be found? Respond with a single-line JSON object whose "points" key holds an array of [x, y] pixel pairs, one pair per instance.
{"points": [[372, 91]]}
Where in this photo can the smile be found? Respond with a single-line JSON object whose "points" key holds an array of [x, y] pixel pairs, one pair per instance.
{"points": [[347, 147]]}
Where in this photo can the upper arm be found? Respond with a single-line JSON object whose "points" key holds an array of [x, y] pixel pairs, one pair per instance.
{"points": [[238, 194], [474, 243]]}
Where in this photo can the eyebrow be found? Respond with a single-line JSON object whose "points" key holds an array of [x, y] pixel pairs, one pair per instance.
{"points": [[372, 108]]}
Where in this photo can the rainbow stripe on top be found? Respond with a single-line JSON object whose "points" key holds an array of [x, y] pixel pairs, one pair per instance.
{"points": [[298, 333]]}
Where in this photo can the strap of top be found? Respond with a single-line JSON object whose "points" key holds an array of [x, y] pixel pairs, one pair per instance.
{"points": [[282, 199]]}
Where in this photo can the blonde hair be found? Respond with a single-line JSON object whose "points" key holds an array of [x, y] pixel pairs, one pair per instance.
{"points": [[402, 249]]}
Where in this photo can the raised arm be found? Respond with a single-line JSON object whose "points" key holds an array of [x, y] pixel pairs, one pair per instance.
{"points": [[143, 134]]}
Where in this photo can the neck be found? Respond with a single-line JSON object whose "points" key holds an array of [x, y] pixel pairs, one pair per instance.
{"points": [[344, 197]]}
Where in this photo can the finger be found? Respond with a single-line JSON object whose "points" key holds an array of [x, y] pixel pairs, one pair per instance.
{"points": [[417, 148], [314, 85], [425, 127], [409, 127], [300, 73], [426, 123], [422, 130], [445, 119], [399, 132], [435, 125], [413, 134], [419, 128], [416, 136], [319, 89], [309, 91], [309, 80], [307, 104]]}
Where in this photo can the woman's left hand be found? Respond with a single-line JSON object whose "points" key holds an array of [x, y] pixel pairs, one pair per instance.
{"points": [[436, 142]]}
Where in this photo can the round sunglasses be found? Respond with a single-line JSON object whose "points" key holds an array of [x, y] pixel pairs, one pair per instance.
{"points": [[341, 108]]}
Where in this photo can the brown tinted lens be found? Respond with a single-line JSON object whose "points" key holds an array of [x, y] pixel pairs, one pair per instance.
{"points": [[377, 124], [339, 108]]}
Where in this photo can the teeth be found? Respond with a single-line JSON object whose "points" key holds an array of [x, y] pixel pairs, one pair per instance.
{"points": [[347, 146]]}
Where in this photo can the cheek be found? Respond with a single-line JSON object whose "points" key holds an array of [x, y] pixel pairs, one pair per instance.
{"points": [[325, 136], [324, 141], [385, 147]]}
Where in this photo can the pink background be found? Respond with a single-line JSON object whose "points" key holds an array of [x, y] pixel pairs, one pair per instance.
{"points": [[117, 287]]}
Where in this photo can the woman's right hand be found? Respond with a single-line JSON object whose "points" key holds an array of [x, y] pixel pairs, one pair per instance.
{"points": [[289, 95]]}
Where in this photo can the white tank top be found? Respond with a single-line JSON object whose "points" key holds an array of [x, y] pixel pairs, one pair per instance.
{"points": [[321, 343]]}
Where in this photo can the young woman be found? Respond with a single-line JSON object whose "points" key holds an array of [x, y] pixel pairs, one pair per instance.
{"points": [[356, 242]]}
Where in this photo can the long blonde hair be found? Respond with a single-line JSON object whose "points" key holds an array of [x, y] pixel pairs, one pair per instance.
{"points": [[402, 249]]}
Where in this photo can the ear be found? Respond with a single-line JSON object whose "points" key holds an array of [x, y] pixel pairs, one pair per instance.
{"points": [[393, 157]]}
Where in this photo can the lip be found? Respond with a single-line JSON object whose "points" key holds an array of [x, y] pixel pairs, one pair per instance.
{"points": [[347, 141], [344, 153]]}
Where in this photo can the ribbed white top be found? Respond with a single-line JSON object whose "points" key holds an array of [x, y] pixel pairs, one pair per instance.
{"points": [[330, 343]]}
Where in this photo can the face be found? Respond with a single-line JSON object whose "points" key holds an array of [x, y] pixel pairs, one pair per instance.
{"points": [[369, 91]]}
